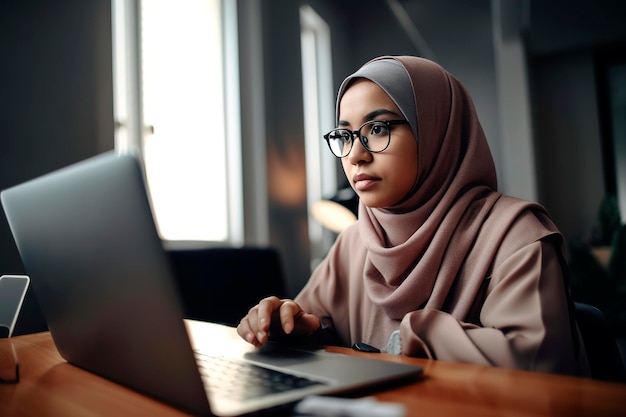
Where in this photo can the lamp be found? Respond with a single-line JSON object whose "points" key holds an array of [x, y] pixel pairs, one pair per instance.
{"points": [[339, 212]]}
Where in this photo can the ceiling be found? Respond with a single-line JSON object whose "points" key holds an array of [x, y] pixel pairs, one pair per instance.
{"points": [[550, 25]]}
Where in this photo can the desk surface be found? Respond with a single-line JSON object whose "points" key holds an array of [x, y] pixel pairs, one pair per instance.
{"points": [[50, 386]]}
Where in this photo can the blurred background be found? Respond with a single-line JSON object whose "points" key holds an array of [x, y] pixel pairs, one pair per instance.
{"points": [[227, 101]]}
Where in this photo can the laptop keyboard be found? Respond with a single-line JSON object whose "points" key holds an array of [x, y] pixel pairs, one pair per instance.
{"points": [[241, 380]]}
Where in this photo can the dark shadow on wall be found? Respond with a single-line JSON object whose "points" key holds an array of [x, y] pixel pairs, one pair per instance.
{"points": [[56, 105]]}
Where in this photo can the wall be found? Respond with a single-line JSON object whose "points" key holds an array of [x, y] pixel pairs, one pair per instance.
{"points": [[283, 133], [56, 105], [567, 137], [563, 40]]}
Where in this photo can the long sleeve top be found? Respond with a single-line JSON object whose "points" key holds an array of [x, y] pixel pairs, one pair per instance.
{"points": [[520, 319]]}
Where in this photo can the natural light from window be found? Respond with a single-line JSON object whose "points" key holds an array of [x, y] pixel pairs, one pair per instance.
{"points": [[183, 109], [318, 116]]}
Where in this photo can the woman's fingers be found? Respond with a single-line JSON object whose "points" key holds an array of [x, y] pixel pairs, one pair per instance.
{"points": [[254, 327], [276, 315], [288, 313], [247, 330], [307, 323], [294, 319], [265, 311], [264, 317]]}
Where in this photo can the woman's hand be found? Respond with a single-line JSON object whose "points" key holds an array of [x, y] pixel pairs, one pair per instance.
{"points": [[275, 315]]}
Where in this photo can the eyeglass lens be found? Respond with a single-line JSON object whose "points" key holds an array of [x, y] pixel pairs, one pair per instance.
{"points": [[374, 135]]}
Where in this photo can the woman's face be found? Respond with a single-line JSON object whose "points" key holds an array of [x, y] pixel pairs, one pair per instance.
{"points": [[380, 179]]}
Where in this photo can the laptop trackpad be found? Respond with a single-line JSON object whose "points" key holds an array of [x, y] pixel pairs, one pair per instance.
{"points": [[278, 354]]}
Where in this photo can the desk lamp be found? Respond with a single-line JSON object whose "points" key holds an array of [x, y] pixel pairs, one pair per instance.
{"points": [[338, 212]]}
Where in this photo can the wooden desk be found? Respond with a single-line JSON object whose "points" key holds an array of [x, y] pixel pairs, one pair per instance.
{"points": [[51, 387]]}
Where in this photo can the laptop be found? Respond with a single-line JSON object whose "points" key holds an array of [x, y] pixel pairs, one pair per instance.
{"points": [[88, 241]]}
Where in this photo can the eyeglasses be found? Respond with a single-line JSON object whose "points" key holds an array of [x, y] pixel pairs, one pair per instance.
{"points": [[9, 366], [374, 135]]}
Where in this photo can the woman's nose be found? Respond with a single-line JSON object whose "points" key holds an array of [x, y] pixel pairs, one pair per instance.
{"points": [[358, 153]]}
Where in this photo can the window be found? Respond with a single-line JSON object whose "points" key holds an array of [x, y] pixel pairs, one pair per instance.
{"points": [[319, 116], [175, 76]]}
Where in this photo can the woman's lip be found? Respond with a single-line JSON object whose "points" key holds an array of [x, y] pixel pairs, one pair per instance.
{"points": [[362, 182], [364, 185], [362, 177]]}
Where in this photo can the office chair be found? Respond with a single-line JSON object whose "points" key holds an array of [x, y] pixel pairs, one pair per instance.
{"points": [[603, 355], [221, 284]]}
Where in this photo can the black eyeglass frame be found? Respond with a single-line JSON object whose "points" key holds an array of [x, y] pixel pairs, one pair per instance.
{"points": [[361, 138]]}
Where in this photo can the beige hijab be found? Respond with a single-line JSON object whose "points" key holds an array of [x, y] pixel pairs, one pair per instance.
{"points": [[435, 248]]}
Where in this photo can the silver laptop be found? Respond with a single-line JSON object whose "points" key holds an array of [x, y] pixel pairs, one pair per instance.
{"points": [[88, 241]]}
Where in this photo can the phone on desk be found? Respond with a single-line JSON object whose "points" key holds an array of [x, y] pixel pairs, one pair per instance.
{"points": [[12, 291]]}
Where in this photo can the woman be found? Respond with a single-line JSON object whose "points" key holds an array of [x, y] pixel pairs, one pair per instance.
{"points": [[439, 264]]}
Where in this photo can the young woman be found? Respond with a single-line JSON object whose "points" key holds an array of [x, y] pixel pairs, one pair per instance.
{"points": [[439, 263]]}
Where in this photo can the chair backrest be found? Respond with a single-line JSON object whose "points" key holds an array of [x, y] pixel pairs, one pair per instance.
{"points": [[605, 360], [222, 284], [12, 291]]}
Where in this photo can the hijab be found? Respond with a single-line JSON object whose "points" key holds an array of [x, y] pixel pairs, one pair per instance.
{"points": [[435, 247]]}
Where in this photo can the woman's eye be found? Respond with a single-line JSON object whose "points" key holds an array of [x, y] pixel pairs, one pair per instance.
{"points": [[379, 129]]}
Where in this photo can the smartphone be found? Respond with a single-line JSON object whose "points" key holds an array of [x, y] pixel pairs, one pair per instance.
{"points": [[12, 291]]}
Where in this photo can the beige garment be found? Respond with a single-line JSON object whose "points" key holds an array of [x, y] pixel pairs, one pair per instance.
{"points": [[520, 318], [466, 273]]}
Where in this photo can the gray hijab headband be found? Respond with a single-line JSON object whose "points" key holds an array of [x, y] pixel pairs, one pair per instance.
{"points": [[392, 77]]}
